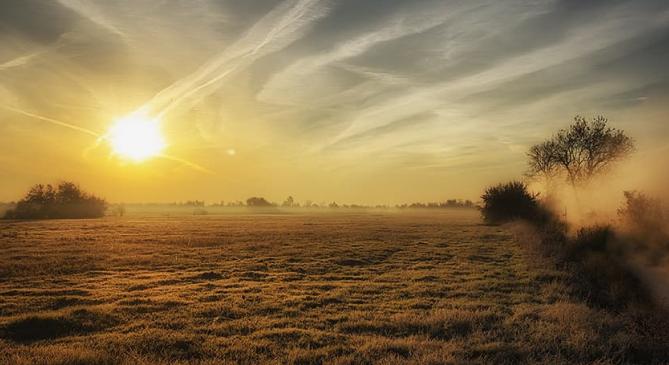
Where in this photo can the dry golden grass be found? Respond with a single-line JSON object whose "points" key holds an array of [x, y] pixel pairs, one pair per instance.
{"points": [[343, 288]]}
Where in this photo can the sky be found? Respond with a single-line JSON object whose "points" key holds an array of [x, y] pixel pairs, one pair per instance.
{"points": [[354, 101]]}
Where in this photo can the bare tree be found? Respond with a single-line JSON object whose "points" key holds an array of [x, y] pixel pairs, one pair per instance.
{"points": [[585, 149], [289, 202]]}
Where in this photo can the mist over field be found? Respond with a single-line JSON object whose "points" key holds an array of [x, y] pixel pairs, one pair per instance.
{"points": [[600, 199]]}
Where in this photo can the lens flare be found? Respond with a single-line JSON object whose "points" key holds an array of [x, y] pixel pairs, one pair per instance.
{"points": [[136, 137]]}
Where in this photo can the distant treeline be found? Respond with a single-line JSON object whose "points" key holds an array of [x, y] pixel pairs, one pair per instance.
{"points": [[260, 202], [67, 200], [451, 203]]}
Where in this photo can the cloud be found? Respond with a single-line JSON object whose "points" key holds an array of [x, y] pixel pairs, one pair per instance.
{"points": [[313, 77], [617, 25], [296, 81], [278, 29], [19, 61]]}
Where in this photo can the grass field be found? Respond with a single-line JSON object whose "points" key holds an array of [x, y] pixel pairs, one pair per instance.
{"points": [[427, 287]]}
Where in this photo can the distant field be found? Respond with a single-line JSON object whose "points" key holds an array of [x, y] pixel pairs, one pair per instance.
{"points": [[343, 288]]}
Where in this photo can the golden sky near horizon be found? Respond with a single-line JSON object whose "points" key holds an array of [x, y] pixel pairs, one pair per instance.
{"points": [[372, 101]]}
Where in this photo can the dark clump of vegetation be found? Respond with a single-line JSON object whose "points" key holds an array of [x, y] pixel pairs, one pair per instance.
{"points": [[64, 201], [450, 203], [508, 202], [597, 261], [259, 202], [604, 277]]}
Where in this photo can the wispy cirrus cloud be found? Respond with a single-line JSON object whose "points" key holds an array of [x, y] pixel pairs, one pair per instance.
{"points": [[19, 61], [92, 12], [275, 31], [616, 25], [457, 23]]}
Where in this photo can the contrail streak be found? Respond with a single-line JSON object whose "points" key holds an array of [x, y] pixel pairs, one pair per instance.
{"points": [[53, 121], [99, 137], [91, 12], [279, 28], [19, 61], [187, 163]]}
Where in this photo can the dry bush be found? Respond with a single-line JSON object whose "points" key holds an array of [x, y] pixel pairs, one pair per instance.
{"points": [[645, 226], [508, 202], [642, 212], [596, 260], [602, 270]]}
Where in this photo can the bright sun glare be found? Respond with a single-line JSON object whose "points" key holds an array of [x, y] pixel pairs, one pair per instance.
{"points": [[136, 137]]}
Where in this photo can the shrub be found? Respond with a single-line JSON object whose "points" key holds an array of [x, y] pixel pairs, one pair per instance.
{"points": [[258, 202], [642, 212], [590, 239], [65, 201], [596, 259], [604, 275], [645, 226], [510, 201]]}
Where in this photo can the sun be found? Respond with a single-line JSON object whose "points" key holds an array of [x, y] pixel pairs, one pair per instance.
{"points": [[136, 137]]}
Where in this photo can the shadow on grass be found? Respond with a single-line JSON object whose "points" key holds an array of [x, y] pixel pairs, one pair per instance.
{"points": [[37, 328]]}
